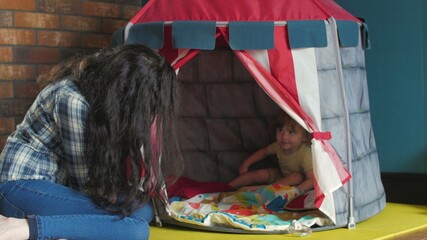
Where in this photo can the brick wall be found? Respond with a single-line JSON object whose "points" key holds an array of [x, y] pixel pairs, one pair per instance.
{"points": [[36, 34]]}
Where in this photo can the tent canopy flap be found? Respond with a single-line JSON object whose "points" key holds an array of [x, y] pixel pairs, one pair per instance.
{"points": [[251, 35], [306, 34], [348, 33], [243, 35], [149, 34], [194, 34]]}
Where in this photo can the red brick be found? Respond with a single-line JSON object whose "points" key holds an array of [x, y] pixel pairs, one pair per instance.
{"points": [[36, 55], [6, 19], [101, 9], [6, 90], [96, 40], [130, 11], [56, 38], [66, 53], [28, 5], [17, 36], [6, 54], [16, 72], [59, 6], [77, 23], [111, 25], [15, 108], [7, 125], [36, 20], [26, 90]]}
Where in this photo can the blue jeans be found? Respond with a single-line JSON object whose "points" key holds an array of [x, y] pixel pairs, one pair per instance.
{"points": [[55, 211]]}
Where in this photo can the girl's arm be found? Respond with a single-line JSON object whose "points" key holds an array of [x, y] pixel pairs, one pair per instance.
{"points": [[255, 157], [308, 183]]}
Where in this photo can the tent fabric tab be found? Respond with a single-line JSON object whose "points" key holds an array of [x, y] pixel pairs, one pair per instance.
{"points": [[251, 35], [366, 44], [118, 37], [149, 34], [348, 33], [307, 34], [194, 34]]}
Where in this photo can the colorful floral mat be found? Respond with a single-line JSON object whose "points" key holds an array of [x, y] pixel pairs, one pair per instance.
{"points": [[258, 209]]}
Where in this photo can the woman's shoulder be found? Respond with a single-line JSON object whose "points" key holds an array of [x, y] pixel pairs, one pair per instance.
{"points": [[63, 89], [62, 92], [63, 86]]}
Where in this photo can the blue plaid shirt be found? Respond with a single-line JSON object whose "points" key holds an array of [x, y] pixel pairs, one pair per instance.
{"points": [[49, 144]]}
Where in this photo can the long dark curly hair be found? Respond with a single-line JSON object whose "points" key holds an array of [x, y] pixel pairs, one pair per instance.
{"points": [[131, 91]]}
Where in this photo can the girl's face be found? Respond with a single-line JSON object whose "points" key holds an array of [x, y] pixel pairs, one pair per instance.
{"points": [[291, 138]]}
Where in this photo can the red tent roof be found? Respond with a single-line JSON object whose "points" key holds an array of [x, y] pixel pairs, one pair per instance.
{"points": [[240, 10]]}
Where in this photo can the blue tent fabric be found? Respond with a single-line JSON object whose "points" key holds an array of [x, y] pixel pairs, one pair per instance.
{"points": [[348, 32], [366, 44], [194, 34], [251, 35], [118, 37], [149, 34], [304, 34]]}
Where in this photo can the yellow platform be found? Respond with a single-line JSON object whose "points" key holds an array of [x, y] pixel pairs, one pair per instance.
{"points": [[395, 220]]}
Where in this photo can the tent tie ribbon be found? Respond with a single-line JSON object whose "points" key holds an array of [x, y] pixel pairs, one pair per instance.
{"points": [[321, 135]]}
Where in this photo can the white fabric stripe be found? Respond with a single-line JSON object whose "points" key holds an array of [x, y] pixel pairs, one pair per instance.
{"points": [[182, 52], [307, 83], [126, 32], [328, 206], [262, 58], [326, 176]]}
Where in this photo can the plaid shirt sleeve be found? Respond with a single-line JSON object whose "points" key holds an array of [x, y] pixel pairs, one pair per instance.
{"points": [[70, 114]]}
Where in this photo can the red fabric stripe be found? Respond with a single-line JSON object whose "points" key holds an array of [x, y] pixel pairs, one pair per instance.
{"points": [[321, 135], [281, 63], [168, 52], [332, 9]]}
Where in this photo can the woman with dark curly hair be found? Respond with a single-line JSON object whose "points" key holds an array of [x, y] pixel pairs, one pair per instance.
{"points": [[96, 144]]}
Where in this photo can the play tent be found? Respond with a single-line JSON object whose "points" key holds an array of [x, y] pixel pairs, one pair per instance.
{"points": [[307, 56]]}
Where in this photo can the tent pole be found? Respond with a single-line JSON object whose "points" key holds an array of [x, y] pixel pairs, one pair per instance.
{"points": [[351, 222]]}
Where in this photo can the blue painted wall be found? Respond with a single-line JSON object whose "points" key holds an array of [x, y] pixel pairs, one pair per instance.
{"points": [[397, 79]]}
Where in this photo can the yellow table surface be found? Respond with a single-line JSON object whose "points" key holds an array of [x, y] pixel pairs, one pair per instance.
{"points": [[396, 219]]}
